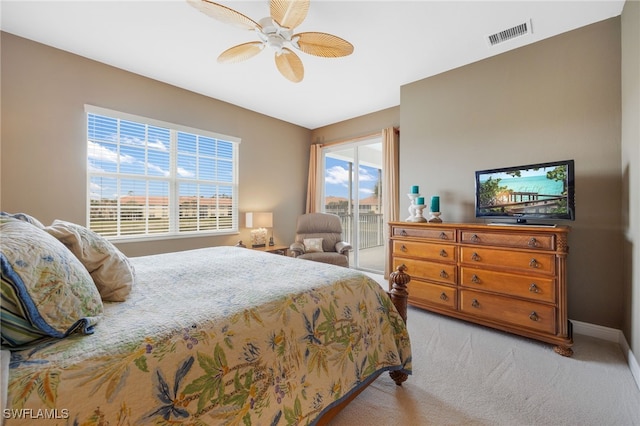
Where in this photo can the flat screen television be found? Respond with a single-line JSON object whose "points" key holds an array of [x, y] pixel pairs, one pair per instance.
{"points": [[544, 191]]}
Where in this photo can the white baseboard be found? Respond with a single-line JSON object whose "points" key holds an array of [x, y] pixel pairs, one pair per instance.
{"points": [[598, 331], [611, 335], [632, 360]]}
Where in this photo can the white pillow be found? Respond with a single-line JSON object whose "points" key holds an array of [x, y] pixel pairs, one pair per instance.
{"points": [[312, 245], [111, 271]]}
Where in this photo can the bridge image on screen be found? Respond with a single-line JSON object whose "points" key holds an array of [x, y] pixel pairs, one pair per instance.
{"points": [[534, 191]]}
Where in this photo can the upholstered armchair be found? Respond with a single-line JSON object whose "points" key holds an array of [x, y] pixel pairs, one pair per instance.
{"points": [[319, 238]]}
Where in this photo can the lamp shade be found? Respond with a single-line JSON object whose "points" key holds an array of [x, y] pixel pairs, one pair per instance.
{"points": [[259, 220]]}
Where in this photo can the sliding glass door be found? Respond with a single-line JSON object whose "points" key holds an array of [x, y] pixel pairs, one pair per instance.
{"points": [[352, 189]]}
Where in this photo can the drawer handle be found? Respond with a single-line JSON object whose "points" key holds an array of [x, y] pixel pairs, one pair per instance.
{"points": [[443, 236], [443, 296], [475, 303], [403, 248], [533, 288], [403, 233], [475, 257], [475, 238], [475, 279], [533, 242], [533, 316], [443, 274], [443, 253], [534, 263]]}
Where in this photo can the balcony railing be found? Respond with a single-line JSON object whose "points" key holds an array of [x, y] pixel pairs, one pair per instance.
{"points": [[370, 227]]}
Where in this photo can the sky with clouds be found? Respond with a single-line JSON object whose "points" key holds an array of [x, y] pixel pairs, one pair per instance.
{"points": [[337, 179], [143, 151]]}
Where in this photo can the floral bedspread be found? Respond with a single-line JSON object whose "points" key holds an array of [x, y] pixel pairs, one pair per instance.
{"points": [[217, 336]]}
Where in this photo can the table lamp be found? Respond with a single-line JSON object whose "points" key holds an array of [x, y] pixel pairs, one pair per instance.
{"points": [[259, 221]]}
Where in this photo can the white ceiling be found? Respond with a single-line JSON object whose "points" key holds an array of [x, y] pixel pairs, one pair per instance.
{"points": [[396, 42]]}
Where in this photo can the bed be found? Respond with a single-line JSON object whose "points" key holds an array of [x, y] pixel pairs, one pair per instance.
{"points": [[222, 335]]}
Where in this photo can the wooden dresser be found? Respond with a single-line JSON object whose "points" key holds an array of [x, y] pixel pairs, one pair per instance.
{"points": [[512, 278]]}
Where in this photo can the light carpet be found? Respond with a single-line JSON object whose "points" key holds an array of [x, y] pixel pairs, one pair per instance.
{"points": [[465, 374]]}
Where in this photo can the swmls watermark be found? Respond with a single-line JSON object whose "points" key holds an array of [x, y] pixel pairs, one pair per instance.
{"points": [[36, 414]]}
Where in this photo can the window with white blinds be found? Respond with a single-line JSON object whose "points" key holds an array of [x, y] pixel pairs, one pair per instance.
{"points": [[151, 179]]}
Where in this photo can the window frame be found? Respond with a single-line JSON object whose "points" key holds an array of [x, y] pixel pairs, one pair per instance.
{"points": [[174, 180]]}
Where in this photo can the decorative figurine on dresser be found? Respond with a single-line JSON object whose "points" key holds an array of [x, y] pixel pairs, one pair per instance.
{"points": [[512, 278]]}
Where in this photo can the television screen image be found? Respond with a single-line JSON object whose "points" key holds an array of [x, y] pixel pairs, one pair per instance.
{"points": [[540, 191]]}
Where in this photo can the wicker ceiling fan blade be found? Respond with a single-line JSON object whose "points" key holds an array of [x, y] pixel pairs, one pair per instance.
{"points": [[224, 14], [323, 45], [290, 65], [241, 52], [289, 13]]}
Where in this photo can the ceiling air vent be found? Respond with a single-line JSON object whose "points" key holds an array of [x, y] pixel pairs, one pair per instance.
{"points": [[511, 33]]}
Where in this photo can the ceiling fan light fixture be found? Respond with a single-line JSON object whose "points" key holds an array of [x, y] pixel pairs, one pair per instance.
{"points": [[276, 43], [268, 25]]}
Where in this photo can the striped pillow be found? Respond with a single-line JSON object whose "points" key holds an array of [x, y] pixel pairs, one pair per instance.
{"points": [[46, 292]]}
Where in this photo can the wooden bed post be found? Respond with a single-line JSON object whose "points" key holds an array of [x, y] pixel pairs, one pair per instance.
{"points": [[398, 281], [399, 295]]}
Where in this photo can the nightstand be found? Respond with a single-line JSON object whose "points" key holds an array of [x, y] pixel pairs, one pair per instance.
{"points": [[281, 250]]}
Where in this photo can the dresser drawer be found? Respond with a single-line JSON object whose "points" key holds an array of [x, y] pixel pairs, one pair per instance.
{"points": [[441, 252], [505, 310], [541, 263], [530, 287], [433, 294], [501, 239], [424, 233], [432, 271]]}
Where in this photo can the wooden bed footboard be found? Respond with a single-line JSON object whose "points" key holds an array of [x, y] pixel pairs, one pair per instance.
{"points": [[399, 295], [398, 281]]}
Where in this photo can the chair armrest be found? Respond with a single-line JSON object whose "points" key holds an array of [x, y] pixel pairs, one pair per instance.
{"points": [[343, 247], [297, 249]]}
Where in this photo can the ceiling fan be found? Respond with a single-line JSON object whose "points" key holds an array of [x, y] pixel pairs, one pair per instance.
{"points": [[276, 32]]}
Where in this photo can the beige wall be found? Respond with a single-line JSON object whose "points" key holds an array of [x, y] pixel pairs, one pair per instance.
{"points": [[356, 127], [631, 172], [44, 91], [553, 100]]}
